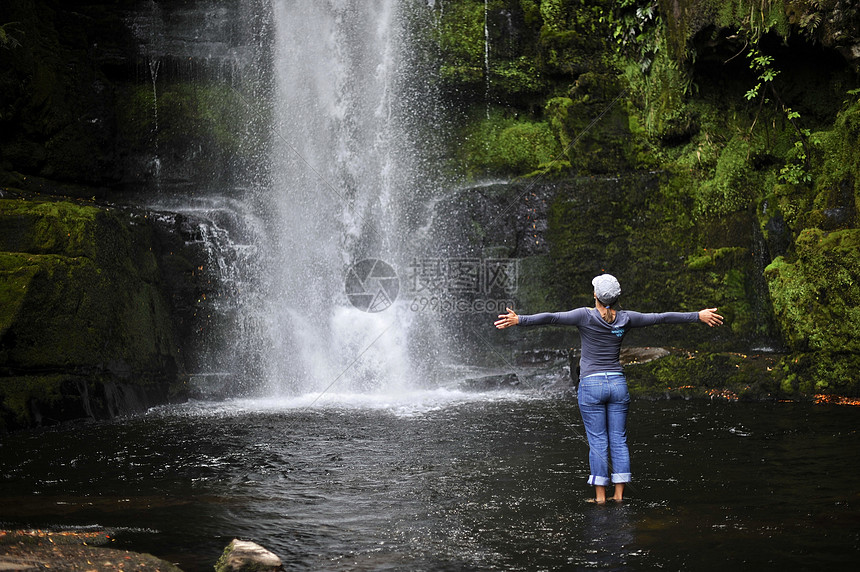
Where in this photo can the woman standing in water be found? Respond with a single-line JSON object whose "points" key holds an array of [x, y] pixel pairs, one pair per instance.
{"points": [[602, 394]]}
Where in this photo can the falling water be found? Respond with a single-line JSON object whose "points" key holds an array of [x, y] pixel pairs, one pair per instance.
{"points": [[342, 181], [487, 56]]}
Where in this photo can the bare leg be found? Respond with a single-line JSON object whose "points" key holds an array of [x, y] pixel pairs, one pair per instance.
{"points": [[600, 493], [619, 492]]}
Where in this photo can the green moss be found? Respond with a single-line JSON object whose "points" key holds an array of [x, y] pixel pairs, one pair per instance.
{"points": [[15, 275], [662, 101], [573, 36], [48, 227], [733, 185], [505, 145], [460, 36], [708, 258], [591, 126]]}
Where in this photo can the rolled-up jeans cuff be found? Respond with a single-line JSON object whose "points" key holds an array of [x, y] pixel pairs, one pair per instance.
{"points": [[598, 481], [621, 477]]}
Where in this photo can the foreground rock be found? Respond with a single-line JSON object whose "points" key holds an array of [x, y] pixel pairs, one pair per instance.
{"points": [[245, 556], [25, 550]]}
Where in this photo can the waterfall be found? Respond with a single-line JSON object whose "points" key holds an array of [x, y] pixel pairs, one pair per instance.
{"points": [[341, 198], [309, 210]]}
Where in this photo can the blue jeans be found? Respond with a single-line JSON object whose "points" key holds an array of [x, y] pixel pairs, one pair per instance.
{"points": [[603, 404]]}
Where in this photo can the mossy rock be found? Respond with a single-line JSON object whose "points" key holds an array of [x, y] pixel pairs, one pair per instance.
{"points": [[804, 375], [816, 293]]}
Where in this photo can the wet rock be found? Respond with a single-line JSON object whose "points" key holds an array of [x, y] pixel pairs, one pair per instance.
{"points": [[245, 556], [633, 355]]}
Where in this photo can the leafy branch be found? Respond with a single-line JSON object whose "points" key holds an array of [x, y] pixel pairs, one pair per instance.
{"points": [[762, 64]]}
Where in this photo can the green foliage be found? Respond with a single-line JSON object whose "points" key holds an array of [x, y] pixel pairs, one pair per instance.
{"points": [[635, 25], [574, 35], [460, 36], [517, 76], [753, 18], [795, 172], [763, 65], [661, 97], [797, 169]]}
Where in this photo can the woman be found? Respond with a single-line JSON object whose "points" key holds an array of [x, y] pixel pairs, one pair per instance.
{"points": [[603, 397]]}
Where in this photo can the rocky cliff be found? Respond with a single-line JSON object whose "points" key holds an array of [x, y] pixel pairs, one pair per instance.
{"points": [[86, 328]]}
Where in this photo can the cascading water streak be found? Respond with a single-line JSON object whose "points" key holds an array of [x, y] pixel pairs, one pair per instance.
{"points": [[340, 181]]}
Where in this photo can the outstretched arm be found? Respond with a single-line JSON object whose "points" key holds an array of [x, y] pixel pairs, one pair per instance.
{"points": [[507, 320], [710, 317]]}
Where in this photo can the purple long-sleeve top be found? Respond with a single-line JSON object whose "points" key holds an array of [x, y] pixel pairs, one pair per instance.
{"points": [[601, 341]]}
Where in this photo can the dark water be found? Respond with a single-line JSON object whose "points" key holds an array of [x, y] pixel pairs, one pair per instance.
{"points": [[448, 481]]}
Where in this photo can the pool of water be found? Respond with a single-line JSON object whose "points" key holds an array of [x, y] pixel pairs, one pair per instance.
{"points": [[442, 480]]}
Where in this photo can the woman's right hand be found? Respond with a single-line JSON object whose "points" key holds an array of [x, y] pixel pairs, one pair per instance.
{"points": [[507, 320], [710, 317]]}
